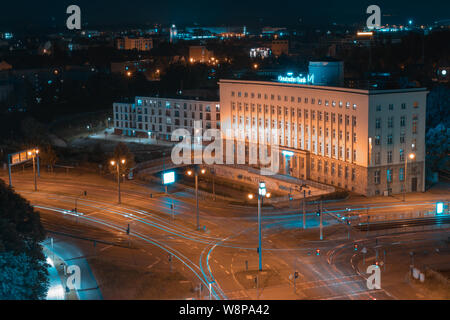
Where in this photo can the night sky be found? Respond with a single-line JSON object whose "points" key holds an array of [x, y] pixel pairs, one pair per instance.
{"points": [[46, 13]]}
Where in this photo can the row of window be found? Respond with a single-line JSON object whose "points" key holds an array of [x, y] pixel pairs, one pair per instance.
{"points": [[390, 123], [176, 105], [296, 112], [402, 106], [295, 99], [390, 174], [168, 129], [342, 171], [139, 118], [390, 139]]}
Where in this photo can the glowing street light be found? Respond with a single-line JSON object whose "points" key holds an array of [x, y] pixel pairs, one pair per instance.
{"points": [[189, 173], [117, 164], [34, 153], [250, 196], [411, 156], [262, 192]]}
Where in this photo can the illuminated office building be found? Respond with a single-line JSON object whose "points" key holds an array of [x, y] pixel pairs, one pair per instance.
{"points": [[350, 138]]}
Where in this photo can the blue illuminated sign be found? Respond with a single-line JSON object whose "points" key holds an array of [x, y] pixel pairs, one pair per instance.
{"points": [[169, 177], [308, 79]]}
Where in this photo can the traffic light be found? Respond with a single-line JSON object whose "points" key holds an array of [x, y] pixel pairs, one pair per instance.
{"points": [[318, 252], [355, 246]]}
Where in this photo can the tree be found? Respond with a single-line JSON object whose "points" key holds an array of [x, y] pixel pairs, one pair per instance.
{"points": [[48, 157], [23, 267], [34, 132], [123, 152], [438, 146]]}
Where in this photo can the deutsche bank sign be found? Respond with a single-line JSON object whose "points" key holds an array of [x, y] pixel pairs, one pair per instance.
{"points": [[308, 79]]}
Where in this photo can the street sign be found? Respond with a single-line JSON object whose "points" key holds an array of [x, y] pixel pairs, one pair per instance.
{"points": [[439, 208], [168, 177], [22, 156]]}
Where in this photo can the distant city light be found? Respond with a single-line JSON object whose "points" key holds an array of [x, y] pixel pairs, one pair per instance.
{"points": [[363, 33]]}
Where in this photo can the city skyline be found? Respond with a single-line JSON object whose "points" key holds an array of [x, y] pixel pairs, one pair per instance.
{"points": [[253, 14]]}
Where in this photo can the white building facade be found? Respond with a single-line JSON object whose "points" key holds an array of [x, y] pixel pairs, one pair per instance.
{"points": [[154, 117]]}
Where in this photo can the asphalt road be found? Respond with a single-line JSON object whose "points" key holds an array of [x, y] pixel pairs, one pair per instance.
{"points": [[223, 253]]}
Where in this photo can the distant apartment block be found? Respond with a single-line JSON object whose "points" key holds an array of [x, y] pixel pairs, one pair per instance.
{"points": [[280, 47], [139, 44]]}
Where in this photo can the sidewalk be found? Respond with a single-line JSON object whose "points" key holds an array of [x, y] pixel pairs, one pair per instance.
{"points": [[64, 254]]}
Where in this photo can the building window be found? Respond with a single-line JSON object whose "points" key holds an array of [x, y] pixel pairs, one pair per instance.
{"points": [[391, 107], [389, 139], [378, 107], [402, 121], [390, 122], [414, 124], [401, 174], [389, 157], [402, 155], [403, 106], [402, 138], [389, 175], [377, 158], [377, 140], [378, 123], [377, 177]]}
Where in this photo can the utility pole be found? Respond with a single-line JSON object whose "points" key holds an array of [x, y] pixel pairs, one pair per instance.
{"points": [[118, 183], [259, 232], [262, 192], [304, 213], [321, 219], [34, 172], [196, 197], [9, 170]]}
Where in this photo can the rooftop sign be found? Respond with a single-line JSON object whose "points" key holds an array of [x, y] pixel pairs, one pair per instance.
{"points": [[301, 79]]}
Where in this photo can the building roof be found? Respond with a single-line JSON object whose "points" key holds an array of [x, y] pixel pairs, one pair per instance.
{"points": [[315, 87]]}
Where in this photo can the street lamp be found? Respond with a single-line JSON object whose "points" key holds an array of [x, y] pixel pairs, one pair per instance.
{"points": [[34, 153], [411, 156], [189, 173], [262, 192], [117, 164]]}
